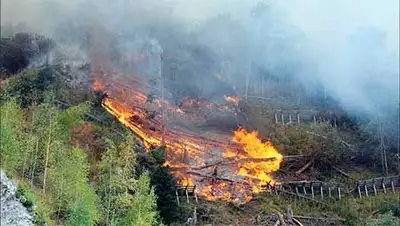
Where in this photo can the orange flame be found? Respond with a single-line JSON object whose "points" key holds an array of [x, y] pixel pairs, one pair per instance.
{"points": [[255, 149], [220, 169], [232, 99]]}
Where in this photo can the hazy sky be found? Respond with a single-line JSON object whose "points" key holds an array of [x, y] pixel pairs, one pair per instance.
{"points": [[325, 24]]}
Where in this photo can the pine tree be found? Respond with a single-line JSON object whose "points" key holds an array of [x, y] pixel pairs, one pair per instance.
{"points": [[143, 210], [165, 186]]}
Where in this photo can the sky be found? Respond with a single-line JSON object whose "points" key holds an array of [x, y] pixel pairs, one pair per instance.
{"points": [[361, 72]]}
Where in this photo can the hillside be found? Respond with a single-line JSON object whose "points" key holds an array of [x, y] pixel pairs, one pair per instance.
{"points": [[131, 117]]}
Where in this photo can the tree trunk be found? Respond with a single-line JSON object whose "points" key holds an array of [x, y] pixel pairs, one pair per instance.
{"points": [[47, 155], [34, 162]]}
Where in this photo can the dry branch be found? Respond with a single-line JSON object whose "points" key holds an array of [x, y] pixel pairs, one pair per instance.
{"points": [[309, 163], [297, 222], [281, 220], [319, 218]]}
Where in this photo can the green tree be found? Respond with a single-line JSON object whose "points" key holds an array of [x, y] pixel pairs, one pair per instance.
{"points": [[165, 186], [117, 179], [143, 211], [11, 123]]}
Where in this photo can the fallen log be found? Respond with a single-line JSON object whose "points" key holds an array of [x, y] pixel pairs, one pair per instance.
{"points": [[228, 161], [306, 166], [319, 218], [343, 173], [210, 177]]}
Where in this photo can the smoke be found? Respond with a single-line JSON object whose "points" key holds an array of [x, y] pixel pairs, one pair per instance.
{"points": [[349, 48]]}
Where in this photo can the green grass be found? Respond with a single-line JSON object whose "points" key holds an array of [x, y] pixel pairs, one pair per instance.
{"points": [[354, 210]]}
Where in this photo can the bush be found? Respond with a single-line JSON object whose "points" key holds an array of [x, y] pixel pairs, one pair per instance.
{"points": [[26, 196], [386, 219]]}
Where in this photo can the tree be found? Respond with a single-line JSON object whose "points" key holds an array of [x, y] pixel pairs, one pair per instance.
{"points": [[117, 179], [143, 211], [165, 186], [10, 137]]}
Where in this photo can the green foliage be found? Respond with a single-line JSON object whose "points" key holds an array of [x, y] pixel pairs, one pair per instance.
{"points": [[31, 86], [117, 179], [143, 210], [11, 125], [26, 195], [84, 211], [74, 116], [165, 186], [386, 219]]}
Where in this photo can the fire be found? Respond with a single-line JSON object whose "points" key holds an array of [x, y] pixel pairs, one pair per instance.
{"points": [[255, 149], [222, 166], [232, 99]]}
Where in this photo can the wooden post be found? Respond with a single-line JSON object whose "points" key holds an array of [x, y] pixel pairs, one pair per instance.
{"points": [[359, 191], [297, 190], [298, 118], [290, 118], [339, 192], [312, 190], [383, 186], [366, 188], [283, 119], [322, 192], [304, 189], [374, 188], [177, 197], [276, 118], [329, 192], [392, 183], [187, 195], [315, 120], [194, 193]]}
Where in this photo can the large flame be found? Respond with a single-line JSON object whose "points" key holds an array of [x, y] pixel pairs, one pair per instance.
{"points": [[228, 166]]}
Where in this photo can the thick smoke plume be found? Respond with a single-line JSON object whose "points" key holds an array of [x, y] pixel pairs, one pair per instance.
{"points": [[350, 48]]}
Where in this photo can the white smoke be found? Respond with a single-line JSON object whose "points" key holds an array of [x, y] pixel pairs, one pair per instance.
{"points": [[351, 47]]}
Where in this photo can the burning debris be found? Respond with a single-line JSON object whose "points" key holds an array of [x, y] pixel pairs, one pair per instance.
{"points": [[222, 165]]}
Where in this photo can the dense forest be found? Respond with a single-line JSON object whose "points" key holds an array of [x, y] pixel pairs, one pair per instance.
{"points": [[76, 164]]}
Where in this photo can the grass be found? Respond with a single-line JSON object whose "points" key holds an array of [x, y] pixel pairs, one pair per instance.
{"points": [[354, 210], [36, 202]]}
